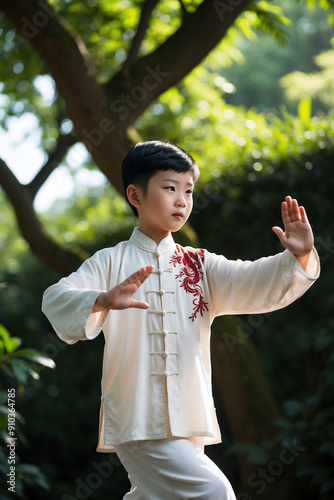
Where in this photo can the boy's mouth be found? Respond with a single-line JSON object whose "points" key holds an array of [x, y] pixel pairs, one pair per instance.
{"points": [[178, 215]]}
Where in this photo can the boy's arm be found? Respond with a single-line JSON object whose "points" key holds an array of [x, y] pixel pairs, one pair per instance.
{"points": [[269, 283], [297, 236], [76, 307]]}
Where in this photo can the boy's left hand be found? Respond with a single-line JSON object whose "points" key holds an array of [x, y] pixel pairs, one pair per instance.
{"points": [[297, 236]]}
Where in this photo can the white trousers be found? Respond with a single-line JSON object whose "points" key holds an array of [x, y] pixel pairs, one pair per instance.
{"points": [[170, 469]]}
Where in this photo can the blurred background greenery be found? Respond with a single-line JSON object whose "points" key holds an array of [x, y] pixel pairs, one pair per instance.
{"points": [[258, 116]]}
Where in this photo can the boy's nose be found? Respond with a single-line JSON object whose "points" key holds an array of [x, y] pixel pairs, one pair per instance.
{"points": [[181, 202]]}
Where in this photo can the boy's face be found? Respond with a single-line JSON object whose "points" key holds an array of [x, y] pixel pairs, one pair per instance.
{"points": [[167, 203]]}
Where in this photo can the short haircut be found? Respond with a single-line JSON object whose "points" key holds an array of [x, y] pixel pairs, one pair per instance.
{"points": [[146, 158]]}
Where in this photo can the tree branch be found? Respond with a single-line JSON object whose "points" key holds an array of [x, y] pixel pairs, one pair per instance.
{"points": [[144, 20], [63, 144], [102, 114], [155, 73], [40, 242], [70, 65], [183, 9]]}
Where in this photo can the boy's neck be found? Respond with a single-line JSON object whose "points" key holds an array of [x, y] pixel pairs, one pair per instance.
{"points": [[157, 237]]}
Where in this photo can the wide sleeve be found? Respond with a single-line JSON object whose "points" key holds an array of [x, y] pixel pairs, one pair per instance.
{"points": [[68, 304], [264, 285]]}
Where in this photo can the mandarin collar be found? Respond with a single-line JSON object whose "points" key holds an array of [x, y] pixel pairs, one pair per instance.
{"points": [[144, 242]]}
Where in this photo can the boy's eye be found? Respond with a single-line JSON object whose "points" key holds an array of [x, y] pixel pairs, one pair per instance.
{"points": [[172, 188]]}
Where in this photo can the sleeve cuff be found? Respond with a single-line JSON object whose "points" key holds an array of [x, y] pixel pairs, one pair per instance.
{"points": [[95, 321], [312, 270]]}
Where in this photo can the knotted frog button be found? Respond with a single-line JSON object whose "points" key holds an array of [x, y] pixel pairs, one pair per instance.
{"points": [[164, 333], [158, 254]]}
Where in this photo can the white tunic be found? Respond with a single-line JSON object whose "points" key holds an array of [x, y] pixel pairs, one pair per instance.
{"points": [[160, 356]]}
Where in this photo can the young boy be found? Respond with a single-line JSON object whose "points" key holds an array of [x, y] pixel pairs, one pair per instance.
{"points": [[155, 301]]}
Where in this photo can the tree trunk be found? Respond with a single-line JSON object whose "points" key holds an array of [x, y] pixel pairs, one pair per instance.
{"points": [[250, 407]]}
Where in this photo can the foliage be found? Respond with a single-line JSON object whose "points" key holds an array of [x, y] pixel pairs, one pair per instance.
{"points": [[92, 216], [107, 27], [317, 86], [17, 366], [222, 137], [257, 77]]}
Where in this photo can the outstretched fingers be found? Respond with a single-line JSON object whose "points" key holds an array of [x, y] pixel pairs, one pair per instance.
{"points": [[303, 215], [120, 297], [139, 276], [135, 281], [290, 210], [297, 235]]}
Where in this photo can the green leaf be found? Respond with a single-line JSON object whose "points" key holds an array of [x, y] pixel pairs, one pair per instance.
{"points": [[32, 475], [3, 410], [22, 370], [292, 408], [36, 357], [10, 343]]}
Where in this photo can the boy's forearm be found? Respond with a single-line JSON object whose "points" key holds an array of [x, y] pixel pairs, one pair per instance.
{"points": [[100, 303], [303, 260]]}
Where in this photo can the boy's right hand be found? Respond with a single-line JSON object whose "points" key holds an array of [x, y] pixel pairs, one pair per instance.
{"points": [[120, 297]]}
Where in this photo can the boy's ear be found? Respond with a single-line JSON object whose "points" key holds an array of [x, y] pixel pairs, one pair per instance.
{"points": [[133, 194]]}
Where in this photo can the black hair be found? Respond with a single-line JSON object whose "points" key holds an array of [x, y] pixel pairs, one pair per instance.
{"points": [[146, 158]]}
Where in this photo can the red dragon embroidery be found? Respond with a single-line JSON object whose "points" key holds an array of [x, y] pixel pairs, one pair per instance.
{"points": [[190, 276]]}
